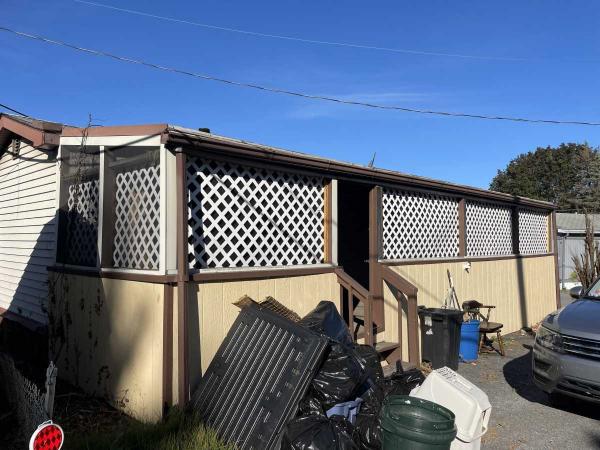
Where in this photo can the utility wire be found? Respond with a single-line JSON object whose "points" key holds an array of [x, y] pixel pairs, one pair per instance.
{"points": [[8, 108], [287, 92], [298, 39]]}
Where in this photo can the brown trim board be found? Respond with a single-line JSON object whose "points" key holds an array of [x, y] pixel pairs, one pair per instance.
{"points": [[103, 273], [555, 252], [39, 133], [182, 279], [260, 274], [460, 259], [124, 130]]}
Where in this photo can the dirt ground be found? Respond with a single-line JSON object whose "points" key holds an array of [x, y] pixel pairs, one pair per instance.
{"points": [[522, 417]]}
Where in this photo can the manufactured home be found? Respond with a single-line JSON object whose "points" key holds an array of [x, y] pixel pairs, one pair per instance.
{"points": [[130, 244]]}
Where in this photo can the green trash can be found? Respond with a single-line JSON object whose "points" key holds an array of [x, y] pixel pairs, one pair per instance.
{"points": [[414, 423]]}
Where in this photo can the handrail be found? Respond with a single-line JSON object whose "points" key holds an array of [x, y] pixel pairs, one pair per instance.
{"points": [[348, 281], [410, 291], [396, 280]]}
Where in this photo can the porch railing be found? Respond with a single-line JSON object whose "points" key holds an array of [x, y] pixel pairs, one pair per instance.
{"points": [[402, 290], [351, 289]]}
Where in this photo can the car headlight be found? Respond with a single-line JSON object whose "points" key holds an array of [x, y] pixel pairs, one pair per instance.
{"points": [[549, 339]]}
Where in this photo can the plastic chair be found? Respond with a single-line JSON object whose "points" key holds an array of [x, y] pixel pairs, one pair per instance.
{"points": [[473, 309]]}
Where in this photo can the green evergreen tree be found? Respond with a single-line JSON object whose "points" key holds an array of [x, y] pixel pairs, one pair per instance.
{"points": [[568, 175]]}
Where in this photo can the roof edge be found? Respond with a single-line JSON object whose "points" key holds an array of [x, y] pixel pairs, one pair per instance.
{"points": [[40, 133], [177, 136], [119, 130]]}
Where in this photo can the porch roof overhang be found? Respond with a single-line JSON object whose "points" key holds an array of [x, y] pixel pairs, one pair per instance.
{"points": [[190, 139], [41, 134]]}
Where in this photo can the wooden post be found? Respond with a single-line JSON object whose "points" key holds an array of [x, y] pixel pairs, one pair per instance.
{"points": [[109, 186], [328, 222], [374, 310], [462, 228], [553, 237], [515, 230], [182, 279], [413, 330]]}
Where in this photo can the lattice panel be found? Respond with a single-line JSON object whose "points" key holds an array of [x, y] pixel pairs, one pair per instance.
{"points": [[137, 224], [244, 216], [417, 225], [82, 223], [489, 229], [533, 232]]}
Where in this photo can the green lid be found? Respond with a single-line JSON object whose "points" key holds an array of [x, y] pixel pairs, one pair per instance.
{"points": [[418, 419]]}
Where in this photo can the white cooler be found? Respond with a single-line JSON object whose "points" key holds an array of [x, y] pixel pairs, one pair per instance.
{"points": [[469, 404]]}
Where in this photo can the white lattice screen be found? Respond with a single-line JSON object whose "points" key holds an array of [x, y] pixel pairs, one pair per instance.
{"points": [[137, 219], [82, 223], [533, 232], [417, 225], [244, 216], [488, 229]]}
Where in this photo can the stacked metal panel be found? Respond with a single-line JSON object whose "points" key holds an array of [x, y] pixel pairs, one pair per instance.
{"points": [[257, 378]]}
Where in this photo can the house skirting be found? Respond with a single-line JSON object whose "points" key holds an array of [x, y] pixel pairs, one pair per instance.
{"points": [[523, 289]]}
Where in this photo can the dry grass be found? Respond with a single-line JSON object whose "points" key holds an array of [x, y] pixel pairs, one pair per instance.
{"points": [[177, 432]]}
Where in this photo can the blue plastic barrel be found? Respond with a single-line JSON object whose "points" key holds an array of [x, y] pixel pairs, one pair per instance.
{"points": [[469, 340]]}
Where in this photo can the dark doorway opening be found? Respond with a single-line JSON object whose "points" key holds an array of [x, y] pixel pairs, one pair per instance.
{"points": [[353, 230]]}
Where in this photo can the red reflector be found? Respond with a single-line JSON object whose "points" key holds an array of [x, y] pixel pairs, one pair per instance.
{"points": [[48, 436]]}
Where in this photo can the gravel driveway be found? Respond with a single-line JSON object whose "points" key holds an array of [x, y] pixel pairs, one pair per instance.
{"points": [[522, 417]]}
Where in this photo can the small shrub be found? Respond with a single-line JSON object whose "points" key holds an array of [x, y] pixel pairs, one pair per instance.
{"points": [[587, 265]]}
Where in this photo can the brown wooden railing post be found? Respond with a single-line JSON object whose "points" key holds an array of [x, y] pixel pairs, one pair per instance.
{"points": [[413, 330], [410, 291], [374, 309], [182, 279]]}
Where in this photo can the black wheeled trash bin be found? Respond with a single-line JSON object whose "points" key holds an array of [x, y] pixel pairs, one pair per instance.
{"points": [[440, 336]]}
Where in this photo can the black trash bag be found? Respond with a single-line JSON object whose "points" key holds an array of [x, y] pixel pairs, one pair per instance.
{"points": [[367, 428], [403, 383], [318, 433], [372, 361], [310, 406], [325, 319], [339, 378], [367, 431], [373, 399]]}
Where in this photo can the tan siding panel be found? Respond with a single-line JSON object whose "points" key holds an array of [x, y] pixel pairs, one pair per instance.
{"points": [[523, 290], [217, 313], [115, 342]]}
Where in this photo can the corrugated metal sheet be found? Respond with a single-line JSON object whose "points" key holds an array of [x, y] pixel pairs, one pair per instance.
{"points": [[27, 230], [576, 222], [255, 381]]}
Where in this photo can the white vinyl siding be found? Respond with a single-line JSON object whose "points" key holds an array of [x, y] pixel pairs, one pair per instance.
{"points": [[27, 230]]}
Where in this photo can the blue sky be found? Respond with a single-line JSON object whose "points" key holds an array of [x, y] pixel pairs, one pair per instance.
{"points": [[559, 79]]}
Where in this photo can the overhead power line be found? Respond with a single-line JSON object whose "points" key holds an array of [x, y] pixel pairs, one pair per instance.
{"points": [[8, 108], [287, 92], [304, 40]]}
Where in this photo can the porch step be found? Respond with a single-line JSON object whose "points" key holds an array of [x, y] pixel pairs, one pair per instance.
{"points": [[386, 347], [390, 369]]}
